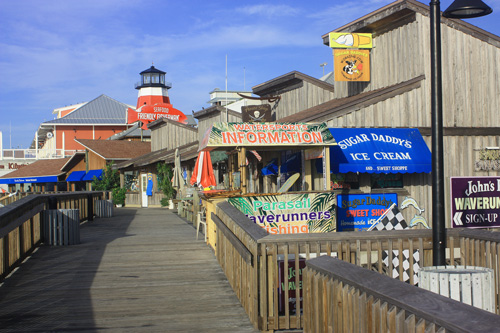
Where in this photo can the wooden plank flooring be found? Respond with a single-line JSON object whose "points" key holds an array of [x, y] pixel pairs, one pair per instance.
{"points": [[139, 271]]}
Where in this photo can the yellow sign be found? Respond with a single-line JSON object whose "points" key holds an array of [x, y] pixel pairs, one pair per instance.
{"points": [[342, 40], [352, 65]]}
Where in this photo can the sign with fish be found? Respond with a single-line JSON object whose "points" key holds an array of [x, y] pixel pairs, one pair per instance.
{"points": [[358, 212]]}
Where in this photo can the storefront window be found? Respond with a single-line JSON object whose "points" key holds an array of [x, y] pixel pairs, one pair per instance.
{"points": [[349, 181], [131, 180], [390, 180]]}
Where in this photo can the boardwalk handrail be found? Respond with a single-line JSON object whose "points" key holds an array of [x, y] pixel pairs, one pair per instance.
{"points": [[342, 297], [262, 284], [20, 223]]}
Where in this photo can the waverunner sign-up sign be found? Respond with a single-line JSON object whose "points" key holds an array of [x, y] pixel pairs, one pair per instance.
{"points": [[475, 202]]}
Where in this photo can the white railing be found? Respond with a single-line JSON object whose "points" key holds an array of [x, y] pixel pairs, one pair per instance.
{"points": [[32, 154]]}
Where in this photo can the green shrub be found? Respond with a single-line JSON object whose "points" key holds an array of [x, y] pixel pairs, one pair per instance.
{"points": [[119, 195], [165, 174]]}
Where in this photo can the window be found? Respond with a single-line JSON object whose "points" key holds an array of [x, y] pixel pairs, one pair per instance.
{"points": [[348, 181], [390, 180], [131, 180]]}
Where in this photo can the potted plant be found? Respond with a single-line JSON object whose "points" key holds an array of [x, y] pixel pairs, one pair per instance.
{"points": [[165, 174], [119, 196]]}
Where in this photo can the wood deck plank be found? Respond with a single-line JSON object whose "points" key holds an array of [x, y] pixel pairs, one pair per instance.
{"points": [[139, 271]]}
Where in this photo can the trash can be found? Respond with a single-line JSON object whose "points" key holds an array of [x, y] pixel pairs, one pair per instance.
{"points": [[61, 226], [104, 208], [467, 284]]}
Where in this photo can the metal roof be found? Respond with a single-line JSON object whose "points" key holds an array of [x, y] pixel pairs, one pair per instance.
{"points": [[134, 131], [101, 111], [152, 69]]}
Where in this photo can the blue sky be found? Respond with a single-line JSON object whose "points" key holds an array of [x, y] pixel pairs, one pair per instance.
{"points": [[55, 53]]}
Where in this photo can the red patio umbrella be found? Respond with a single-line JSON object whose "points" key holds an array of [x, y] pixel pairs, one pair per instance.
{"points": [[203, 173]]}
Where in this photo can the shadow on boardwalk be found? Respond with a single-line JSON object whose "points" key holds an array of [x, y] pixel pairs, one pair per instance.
{"points": [[140, 271]]}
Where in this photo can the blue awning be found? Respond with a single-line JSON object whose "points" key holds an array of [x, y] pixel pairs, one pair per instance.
{"points": [[91, 174], [75, 176], [379, 150], [22, 180]]}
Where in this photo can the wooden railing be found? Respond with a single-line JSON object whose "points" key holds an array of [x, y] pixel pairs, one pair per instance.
{"points": [[21, 223], [341, 297], [267, 278]]}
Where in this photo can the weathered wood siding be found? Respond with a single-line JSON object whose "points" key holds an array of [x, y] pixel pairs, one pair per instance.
{"points": [[471, 95], [207, 120], [301, 98], [171, 136], [471, 79]]}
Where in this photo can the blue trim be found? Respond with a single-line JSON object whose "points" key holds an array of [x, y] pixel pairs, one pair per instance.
{"points": [[91, 174], [44, 179], [379, 150], [75, 176]]}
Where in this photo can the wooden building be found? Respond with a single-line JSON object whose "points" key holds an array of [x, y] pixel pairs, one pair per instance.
{"points": [[398, 94]]}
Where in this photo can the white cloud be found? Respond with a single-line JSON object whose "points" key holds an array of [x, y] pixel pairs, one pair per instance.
{"points": [[268, 10]]}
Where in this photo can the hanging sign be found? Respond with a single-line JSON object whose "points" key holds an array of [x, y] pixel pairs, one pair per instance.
{"points": [[149, 113], [342, 40], [352, 65], [290, 213], [266, 134], [475, 202], [256, 113]]}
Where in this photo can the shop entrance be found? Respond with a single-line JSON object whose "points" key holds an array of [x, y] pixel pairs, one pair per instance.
{"points": [[144, 187]]}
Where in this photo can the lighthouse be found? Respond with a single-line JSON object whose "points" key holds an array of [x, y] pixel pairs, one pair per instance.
{"points": [[152, 88], [153, 102]]}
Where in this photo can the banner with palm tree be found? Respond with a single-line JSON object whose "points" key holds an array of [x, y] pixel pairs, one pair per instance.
{"points": [[290, 213]]}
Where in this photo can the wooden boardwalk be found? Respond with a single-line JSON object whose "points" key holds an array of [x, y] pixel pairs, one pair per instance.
{"points": [[139, 271]]}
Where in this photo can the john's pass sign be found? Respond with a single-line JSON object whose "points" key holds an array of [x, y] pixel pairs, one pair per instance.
{"points": [[475, 202]]}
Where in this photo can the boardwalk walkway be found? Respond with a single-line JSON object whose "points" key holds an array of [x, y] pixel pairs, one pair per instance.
{"points": [[140, 271]]}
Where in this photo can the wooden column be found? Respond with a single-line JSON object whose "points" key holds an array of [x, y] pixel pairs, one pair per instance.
{"points": [[243, 170]]}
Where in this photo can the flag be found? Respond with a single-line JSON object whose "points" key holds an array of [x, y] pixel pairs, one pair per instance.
{"points": [[392, 219]]}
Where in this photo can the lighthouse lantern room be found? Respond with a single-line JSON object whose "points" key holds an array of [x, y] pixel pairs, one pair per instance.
{"points": [[153, 102], [152, 88]]}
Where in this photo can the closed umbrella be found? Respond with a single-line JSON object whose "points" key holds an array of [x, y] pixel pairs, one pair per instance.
{"points": [[203, 173], [178, 181]]}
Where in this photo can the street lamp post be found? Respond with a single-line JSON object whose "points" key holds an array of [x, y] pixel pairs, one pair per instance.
{"points": [[458, 9]]}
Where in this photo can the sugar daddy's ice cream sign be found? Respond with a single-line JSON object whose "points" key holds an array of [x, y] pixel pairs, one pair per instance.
{"points": [[386, 150]]}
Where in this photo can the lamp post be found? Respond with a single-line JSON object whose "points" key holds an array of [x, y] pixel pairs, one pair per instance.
{"points": [[458, 9], [323, 66]]}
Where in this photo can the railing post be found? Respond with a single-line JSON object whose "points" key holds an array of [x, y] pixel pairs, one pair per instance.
{"points": [[52, 202], [90, 207]]}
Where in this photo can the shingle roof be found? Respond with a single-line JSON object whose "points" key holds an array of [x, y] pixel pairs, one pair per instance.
{"points": [[187, 152], [40, 168], [116, 149], [102, 110]]}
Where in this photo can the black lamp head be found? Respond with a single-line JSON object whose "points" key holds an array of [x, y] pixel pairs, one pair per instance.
{"points": [[467, 9]]}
